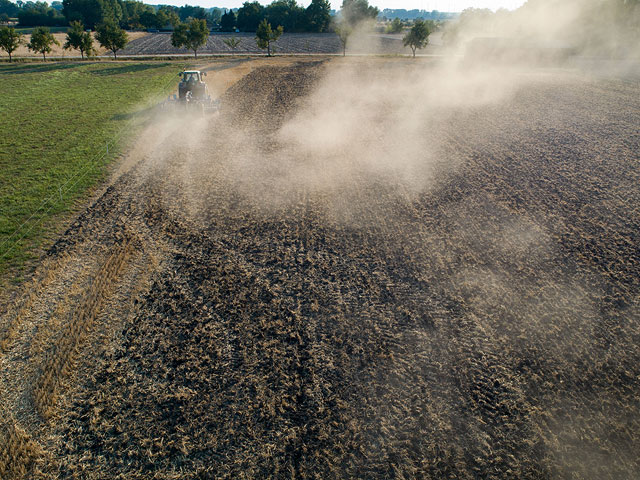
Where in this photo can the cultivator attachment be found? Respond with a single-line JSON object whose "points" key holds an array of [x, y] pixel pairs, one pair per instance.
{"points": [[193, 95], [191, 104]]}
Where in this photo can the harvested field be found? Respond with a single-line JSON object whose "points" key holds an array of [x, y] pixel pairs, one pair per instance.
{"points": [[450, 290], [58, 51]]}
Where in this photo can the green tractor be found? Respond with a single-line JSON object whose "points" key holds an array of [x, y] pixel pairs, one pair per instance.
{"points": [[193, 93]]}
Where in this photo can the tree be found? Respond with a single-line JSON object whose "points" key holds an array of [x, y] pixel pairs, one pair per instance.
{"points": [[352, 15], [358, 11], [111, 37], [167, 15], [148, 19], [228, 21], [78, 39], [112, 11], [396, 26], [40, 14], [232, 42], [418, 36], [318, 16], [265, 35], [343, 30], [192, 35], [215, 15], [286, 13], [179, 35], [249, 16], [10, 40], [188, 12], [10, 8], [41, 41], [89, 12]]}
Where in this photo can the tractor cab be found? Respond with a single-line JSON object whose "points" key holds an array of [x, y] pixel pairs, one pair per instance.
{"points": [[192, 84], [191, 77]]}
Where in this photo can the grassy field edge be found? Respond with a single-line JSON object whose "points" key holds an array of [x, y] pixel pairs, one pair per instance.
{"points": [[49, 173]]}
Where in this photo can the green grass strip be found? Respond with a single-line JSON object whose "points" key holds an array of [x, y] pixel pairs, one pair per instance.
{"points": [[56, 121]]}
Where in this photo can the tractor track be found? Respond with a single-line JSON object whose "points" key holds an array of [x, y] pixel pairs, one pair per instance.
{"points": [[219, 324]]}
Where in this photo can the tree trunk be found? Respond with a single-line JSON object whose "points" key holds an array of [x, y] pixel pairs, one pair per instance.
{"points": [[81, 54], [44, 56], [9, 57], [195, 53], [268, 49], [414, 52], [115, 57]]}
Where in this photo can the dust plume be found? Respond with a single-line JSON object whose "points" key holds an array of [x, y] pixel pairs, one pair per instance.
{"points": [[543, 30]]}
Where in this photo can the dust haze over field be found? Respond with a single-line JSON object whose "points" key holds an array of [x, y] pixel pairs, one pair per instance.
{"points": [[363, 268], [591, 27]]}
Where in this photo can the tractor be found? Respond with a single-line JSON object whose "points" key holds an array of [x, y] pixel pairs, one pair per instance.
{"points": [[192, 93]]}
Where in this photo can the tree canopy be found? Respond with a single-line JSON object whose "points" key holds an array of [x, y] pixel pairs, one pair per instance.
{"points": [[357, 11], [265, 35], [396, 26], [318, 16], [418, 36], [286, 13], [10, 8], [78, 39], [249, 16], [111, 37], [192, 35], [228, 21], [344, 31], [88, 12], [134, 14], [9, 40], [39, 14], [41, 41]]}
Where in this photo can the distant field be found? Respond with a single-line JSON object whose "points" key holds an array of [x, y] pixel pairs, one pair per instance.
{"points": [[57, 120]]}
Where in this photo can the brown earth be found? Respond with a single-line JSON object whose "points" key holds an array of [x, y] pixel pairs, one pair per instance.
{"points": [[204, 318]]}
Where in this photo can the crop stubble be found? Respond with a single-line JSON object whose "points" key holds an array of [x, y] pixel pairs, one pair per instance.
{"points": [[485, 327]]}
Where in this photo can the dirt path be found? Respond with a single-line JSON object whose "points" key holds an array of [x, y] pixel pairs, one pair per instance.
{"points": [[246, 300]]}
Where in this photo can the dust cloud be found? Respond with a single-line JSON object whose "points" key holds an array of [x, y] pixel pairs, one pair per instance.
{"points": [[550, 31]]}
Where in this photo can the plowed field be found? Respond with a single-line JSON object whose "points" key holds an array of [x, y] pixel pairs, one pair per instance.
{"points": [[289, 43], [238, 306]]}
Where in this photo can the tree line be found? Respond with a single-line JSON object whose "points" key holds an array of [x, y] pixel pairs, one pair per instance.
{"points": [[194, 33], [108, 34], [133, 14], [285, 13]]}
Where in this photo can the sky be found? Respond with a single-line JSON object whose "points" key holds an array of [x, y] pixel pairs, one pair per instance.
{"points": [[441, 5]]}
